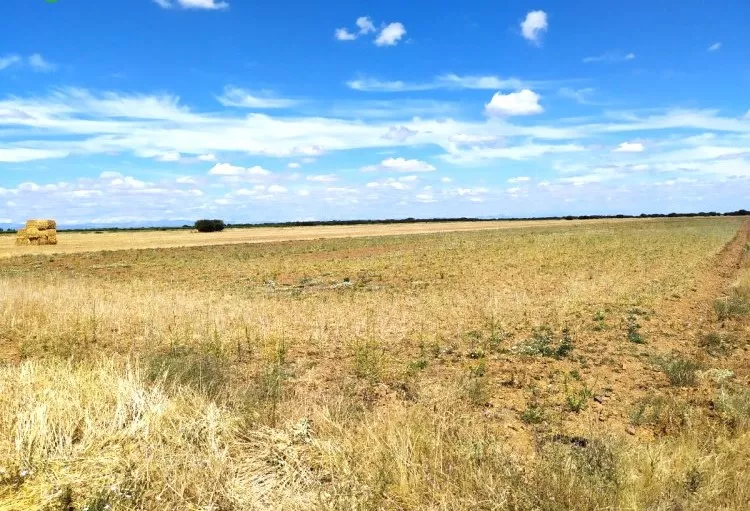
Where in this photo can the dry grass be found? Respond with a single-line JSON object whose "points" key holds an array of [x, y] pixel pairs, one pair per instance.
{"points": [[379, 373], [75, 242]]}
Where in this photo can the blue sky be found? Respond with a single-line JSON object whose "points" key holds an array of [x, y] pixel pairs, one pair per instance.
{"points": [[157, 111]]}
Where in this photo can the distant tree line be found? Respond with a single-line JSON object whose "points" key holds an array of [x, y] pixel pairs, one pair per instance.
{"points": [[219, 225]]}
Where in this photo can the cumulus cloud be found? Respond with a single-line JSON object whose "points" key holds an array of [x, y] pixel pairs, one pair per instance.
{"points": [[207, 157], [238, 97], [715, 47], [365, 25], [391, 34], [523, 102], [400, 165], [629, 147], [193, 4], [342, 34], [534, 25]]}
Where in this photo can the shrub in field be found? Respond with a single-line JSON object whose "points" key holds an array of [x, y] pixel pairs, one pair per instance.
{"points": [[204, 372], [680, 371], [715, 343], [735, 305], [666, 415], [533, 414], [734, 406], [578, 401], [209, 225], [542, 343], [634, 330]]}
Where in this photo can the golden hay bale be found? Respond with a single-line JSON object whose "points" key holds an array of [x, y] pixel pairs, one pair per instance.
{"points": [[23, 241], [41, 224], [32, 233], [50, 237]]}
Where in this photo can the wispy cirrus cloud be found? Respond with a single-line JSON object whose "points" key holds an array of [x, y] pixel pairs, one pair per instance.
{"points": [[613, 56], [238, 97], [36, 62], [446, 81], [9, 60], [211, 5], [40, 64]]}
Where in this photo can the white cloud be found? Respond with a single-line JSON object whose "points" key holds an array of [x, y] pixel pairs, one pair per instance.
{"points": [[277, 189], [193, 4], [342, 34], [8, 61], [610, 57], [207, 157], [465, 138], [714, 47], [519, 179], [185, 180], [399, 133], [425, 197], [365, 25], [450, 81], [534, 26], [629, 147], [226, 169], [391, 34], [446, 180], [578, 95], [37, 63], [524, 102], [401, 165], [293, 165], [323, 178], [479, 82], [21, 154], [476, 155], [169, 156], [237, 97]]}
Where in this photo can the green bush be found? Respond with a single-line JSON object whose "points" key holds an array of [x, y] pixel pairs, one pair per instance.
{"points": [[209, 225]]}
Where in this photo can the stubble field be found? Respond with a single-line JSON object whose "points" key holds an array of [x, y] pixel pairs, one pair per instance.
{"points": [[554, 365]]}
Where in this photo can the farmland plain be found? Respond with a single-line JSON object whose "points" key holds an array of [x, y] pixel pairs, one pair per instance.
{"points": [[524, 365]]}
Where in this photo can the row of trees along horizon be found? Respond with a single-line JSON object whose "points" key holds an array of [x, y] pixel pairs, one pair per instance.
{"points": [[216, 225]]}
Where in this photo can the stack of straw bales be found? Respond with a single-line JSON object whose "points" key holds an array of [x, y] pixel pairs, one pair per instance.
{"points": [[38, 232]]}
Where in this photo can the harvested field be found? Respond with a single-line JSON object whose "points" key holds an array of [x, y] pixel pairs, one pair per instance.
{"points": [[93, 241], [543, 365]]}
